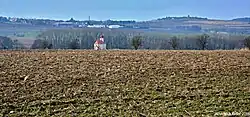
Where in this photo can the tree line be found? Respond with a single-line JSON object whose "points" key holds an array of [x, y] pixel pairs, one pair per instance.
{"points": [[129, 39], [8, 43], [132, 39]]}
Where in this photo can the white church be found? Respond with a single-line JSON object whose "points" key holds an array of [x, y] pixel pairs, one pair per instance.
{"points": [[100, 44]]}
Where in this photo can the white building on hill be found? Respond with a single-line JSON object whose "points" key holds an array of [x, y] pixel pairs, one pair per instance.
{"points": [[114, 26], [96, 26]]}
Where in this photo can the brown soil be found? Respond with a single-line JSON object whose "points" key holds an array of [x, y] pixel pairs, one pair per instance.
{"points": [[124, 83]]}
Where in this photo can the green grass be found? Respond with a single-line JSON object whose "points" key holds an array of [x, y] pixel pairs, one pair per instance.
{"points": [[32, 34]]}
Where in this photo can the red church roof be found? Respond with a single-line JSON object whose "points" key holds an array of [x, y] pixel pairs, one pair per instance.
{"points": [[101, 36]]}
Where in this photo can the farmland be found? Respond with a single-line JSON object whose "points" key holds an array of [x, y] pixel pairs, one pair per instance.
{"points": [[123, 83]]}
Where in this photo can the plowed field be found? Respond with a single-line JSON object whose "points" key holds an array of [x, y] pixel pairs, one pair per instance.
{"points": [[124, 83]]}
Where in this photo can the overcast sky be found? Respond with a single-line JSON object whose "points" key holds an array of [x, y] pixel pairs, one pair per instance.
{"points": [[124, 9]]}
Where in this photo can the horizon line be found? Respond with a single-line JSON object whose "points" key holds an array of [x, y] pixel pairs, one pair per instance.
{"points": [[116, 19]]}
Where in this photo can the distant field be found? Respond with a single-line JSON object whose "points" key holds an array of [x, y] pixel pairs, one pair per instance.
{"points": [[11, 31], [219, 23], [29, 30], [124, 83]]}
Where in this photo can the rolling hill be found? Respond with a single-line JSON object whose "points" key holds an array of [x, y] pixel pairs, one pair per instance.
{"points": [[10, 26]]}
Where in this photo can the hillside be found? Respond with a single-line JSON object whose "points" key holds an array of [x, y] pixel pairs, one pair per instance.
{"points": [[10, 26], [242, 20], [195, 24]]}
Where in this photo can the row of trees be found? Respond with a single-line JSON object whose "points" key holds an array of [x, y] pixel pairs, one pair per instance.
{"points": [[174, 42], [135, 41], [8, 43], [127, 39], [201, 42]]}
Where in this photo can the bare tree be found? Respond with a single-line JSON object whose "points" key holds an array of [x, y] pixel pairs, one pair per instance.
{"points": [[74, 44], [41, 44], [202, 41], [136, 42], [174, 42], [6, 43], [50, 46], [44, 44], [2, 45], [247, 42]]}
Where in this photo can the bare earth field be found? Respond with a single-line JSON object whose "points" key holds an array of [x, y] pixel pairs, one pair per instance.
{"points": [[124, 83]]}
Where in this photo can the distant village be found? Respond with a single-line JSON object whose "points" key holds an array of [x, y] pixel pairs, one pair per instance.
{"points": [[94, 24], [69, 23], [83, 25]]}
